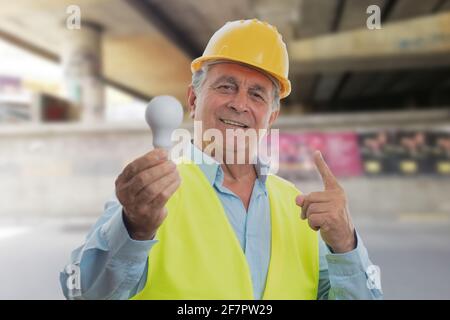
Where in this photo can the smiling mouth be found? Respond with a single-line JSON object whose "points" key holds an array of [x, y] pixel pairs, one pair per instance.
{"points": [[234, 123]]}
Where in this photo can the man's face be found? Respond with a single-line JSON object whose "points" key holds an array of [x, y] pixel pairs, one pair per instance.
{"points": [[233, 97]]}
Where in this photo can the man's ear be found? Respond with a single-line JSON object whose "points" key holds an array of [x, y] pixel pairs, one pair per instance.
{"points": [[273, 117], [191, 99]]}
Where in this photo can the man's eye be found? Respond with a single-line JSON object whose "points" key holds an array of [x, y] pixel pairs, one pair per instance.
{"points": [[225, 88], [258, 96]]}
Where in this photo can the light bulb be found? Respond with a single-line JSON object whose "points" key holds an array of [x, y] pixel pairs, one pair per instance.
{"points": [[163, 114]]}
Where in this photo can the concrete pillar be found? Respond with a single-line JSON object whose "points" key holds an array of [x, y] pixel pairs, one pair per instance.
{"points": [[82, 65]]}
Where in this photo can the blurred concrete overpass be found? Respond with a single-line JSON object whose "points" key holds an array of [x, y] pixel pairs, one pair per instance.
{"points": [[336, 62]]}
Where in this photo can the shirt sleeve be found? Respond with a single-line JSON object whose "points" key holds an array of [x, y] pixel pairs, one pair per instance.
{"points": [[109, 265], [349, 275]]}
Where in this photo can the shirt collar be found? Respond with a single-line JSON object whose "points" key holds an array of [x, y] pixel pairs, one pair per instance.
{"points": [[210, 167]]}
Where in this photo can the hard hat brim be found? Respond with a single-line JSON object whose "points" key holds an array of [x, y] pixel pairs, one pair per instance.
{"points": [[285, 84]]}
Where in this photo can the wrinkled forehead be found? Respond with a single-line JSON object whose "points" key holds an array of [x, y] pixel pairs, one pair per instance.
{"points": [[231, 67]]}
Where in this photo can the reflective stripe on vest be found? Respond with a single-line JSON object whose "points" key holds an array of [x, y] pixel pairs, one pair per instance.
{"points": [[198, 255]]}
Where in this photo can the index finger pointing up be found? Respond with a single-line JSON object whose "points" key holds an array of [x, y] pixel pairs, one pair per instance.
{"points": [[329, 180]]}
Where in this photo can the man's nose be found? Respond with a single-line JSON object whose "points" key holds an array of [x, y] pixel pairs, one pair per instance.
{"points": [[239, 103]]}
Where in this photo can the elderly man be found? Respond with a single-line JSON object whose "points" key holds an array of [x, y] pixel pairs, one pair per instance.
{"points": [[218, 229]]}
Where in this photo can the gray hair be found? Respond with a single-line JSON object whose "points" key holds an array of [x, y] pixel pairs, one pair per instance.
{"points": [[198, 78]]}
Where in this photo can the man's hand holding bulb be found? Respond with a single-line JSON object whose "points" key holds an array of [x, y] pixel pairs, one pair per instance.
{"points": [[146, 184]]}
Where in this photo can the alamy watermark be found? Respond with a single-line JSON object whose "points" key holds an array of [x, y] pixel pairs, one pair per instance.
{"points": [[73, 21], [236, 146], [373, 277], [374, 20], [73, 281]]}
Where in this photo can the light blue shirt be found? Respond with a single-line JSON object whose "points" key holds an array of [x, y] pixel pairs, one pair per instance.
{"points": [[111, 265]]}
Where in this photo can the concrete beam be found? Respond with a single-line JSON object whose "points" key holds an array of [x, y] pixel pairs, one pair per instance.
{"points": [[420, 42], [282, 14], [405, 9], [137, 57], [141, 62], [356, 83], [21, 43], [51, 56], [327, 87], [152, 12], [315, 18], [445, 6], [303, 86], [380, 82]]}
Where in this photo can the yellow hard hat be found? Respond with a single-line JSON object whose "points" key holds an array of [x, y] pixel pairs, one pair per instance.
{"points": [[251, 42]]}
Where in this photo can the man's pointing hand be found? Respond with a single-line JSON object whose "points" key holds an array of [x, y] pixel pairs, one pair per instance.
{"points": [[327, 210]]}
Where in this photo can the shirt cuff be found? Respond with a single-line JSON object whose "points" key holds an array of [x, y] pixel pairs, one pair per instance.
{"points": [[120, 244], [350, 263]]}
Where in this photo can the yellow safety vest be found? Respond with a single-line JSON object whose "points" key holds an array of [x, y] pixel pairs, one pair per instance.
{"points": [[199, 257]]}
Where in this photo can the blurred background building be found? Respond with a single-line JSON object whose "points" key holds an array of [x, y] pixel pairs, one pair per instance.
{"points": [[375, 101]]}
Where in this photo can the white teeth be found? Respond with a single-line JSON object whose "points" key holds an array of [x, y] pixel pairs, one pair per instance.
{"points": [[233, 123]]}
